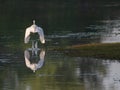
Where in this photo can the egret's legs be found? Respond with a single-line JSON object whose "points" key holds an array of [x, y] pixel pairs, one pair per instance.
{"points": [[35, 47]]}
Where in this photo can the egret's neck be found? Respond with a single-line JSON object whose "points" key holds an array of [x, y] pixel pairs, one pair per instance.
{"points": [[33, 22]]}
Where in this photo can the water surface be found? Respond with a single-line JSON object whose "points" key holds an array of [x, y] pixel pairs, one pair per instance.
{"points": [[58, 72]]}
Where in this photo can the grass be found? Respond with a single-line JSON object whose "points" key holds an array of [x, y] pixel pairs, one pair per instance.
{"points": [[106, 51]]}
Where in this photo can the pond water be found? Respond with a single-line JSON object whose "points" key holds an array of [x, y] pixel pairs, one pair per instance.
{"points": [[65, 23], [56, 71]]}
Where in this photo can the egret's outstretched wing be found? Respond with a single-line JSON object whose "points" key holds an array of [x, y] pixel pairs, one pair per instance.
{"points": [[41, 34], [27, 35]]}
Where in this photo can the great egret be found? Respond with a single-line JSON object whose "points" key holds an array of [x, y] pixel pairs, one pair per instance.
{"points": [[34, 29], [34, 66]]}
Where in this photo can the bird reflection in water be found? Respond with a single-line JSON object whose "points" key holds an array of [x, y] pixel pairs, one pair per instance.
{"points": [[34, 58]]}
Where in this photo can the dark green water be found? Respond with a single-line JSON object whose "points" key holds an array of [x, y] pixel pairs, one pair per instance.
{"points": [[64, 23]]}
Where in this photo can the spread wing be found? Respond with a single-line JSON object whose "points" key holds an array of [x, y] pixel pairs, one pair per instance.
{"points": [[41, 35], [27, 35], [39, 30]]}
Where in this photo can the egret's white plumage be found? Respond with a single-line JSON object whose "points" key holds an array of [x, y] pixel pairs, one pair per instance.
{"points": [[34, 29]]}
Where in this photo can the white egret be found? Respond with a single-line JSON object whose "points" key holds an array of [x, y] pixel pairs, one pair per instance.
{"points": [[34, 29], [34, 66]]}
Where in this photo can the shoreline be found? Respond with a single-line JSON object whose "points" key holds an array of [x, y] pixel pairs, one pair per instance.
{"points": [[102, 50]]}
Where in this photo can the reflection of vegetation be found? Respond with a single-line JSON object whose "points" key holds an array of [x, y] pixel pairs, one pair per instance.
{"points": [[45, 78], [59, 75], [59, 72]]}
